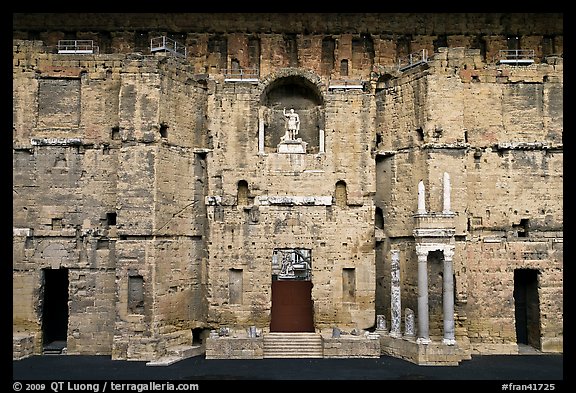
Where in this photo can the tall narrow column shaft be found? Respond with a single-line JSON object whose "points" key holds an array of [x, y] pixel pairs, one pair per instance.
{"points": [[423, 323], [448, 298]]}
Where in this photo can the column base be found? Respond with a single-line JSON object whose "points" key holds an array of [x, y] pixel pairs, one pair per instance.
{"points": [[382, 332], [449, 341], [422, 340]]}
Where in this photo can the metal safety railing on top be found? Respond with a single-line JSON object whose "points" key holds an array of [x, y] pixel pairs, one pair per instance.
{"points": [[241, 75], [412, 60], [516, 56], [167, 44], [77, 47]]}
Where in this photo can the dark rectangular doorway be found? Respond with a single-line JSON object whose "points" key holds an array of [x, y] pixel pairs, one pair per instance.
{"points": [[55, 310], [527, 307], [292, 307]]}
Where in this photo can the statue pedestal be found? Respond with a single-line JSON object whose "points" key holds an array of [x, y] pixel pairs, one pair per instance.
{"points": [[292, 146]]}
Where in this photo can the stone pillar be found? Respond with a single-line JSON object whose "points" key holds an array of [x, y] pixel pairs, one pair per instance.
{"points": [[446, 183], [421, 198], [321, 137], [381, 324], [396, 306], [409, 329], [261, 136], [448, 297], [423, 323]]}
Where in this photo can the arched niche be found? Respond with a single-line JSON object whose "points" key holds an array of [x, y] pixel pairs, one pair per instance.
{"points": [[291, 92], [384, 82]]}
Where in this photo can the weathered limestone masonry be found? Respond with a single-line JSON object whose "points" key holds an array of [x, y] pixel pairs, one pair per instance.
{"points": [[163, 206]]}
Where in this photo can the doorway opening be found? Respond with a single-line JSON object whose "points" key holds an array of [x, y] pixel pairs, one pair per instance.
{"points": [[55, 310], [292, 305], [527, 307]]}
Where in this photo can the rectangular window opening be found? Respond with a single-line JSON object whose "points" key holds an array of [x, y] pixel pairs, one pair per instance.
{"points": [[136, 295], [235, 286], [349, 284]]}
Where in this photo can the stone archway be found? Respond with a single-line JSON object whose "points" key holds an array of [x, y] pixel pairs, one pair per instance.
{"points": [[297, 90]]}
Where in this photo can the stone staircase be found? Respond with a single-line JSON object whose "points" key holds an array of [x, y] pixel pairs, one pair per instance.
{"points": [[293, 345]]}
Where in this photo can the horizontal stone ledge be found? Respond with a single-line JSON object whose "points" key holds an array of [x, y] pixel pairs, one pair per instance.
{"points": [[22, 231], [295, 200], [288, 200], [526, 146], [433, 232], [56, 141]]}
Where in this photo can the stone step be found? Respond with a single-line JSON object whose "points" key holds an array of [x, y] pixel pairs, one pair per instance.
{"points": [[293, 345]]}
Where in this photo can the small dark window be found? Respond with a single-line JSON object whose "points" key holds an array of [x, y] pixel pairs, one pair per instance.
{"points": [[522, 228], [163, 131], [379, 219], [111, 218], [344, 68], [115, 135], [242, 192]]}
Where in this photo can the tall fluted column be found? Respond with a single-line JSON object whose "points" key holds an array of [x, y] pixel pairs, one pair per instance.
{"points": [[448, 297], [423, 323]]}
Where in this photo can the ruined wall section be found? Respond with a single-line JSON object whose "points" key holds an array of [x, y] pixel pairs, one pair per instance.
{"points": [[491, 264], [182, 112], [64, 163], [400, 158], [349, 127], [337, 237], [245, 230], [161, 218], [421, 23], [497, 131], [506, 188], [456, 27]]}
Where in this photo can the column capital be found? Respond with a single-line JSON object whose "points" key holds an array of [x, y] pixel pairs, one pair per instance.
{"points": [[449, 252], [422, 252]]}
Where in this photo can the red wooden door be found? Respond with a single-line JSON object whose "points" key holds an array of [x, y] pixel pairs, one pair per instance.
{"points": [[292, 308]]}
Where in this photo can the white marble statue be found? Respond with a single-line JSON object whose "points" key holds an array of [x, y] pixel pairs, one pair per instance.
{"points": [[292, 124]]}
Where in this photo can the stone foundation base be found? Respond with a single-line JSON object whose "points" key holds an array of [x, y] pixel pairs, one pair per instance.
{"points": [[22, 345], [234, 348], [351, 347], [494, 349], [432, 354], [553, 345], [253, 348]]}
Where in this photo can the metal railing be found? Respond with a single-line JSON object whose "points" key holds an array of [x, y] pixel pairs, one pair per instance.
{"points": [[413, 59], [516, 56], [239, 75], [77, 46], [167, 44]]}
